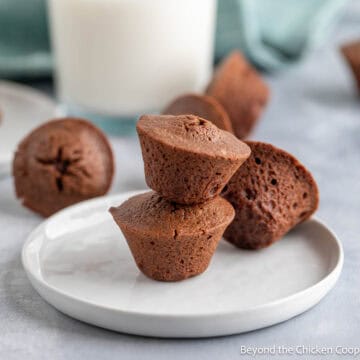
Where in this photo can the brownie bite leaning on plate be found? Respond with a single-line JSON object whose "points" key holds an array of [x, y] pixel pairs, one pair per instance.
{"points": [[271, 193]]}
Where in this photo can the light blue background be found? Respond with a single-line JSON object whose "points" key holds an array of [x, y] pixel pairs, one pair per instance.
{"points": [[314, 113], [272, 33]]}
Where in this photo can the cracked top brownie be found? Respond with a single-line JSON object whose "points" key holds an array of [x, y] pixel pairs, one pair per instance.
{"points": [[61, 163]]}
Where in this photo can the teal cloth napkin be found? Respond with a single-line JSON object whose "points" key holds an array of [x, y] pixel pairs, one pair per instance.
{"points": [[24, 43], [272, 33]]}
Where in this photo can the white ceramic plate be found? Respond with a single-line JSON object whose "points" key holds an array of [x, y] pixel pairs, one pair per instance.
{"points": [[79, 262], [22, 108]]}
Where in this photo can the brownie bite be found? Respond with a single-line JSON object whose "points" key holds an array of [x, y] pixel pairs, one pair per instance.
{"points": [[241, 91], [61, 163], [187, 159], [172, 242], [271, 193], [351, 53], [203, 106]]}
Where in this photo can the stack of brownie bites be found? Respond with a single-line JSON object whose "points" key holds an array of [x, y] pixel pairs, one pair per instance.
{"points": [[174, 230], [207, 183]]}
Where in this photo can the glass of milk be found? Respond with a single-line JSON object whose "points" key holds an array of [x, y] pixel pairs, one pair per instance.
{"points": [[117, 59]]}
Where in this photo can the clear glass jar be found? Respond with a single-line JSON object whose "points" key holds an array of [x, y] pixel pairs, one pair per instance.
{"points": [[117, 59]]}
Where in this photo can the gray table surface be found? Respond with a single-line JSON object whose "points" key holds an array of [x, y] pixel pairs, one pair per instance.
{"points": [[315, 114]]}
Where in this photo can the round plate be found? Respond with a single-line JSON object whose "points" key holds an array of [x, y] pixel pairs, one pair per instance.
{"points": [[22, 109], [78, 261]]}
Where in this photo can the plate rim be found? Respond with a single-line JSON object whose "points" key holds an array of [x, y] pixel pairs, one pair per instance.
{"points": [[32, 93], [332, 276]]}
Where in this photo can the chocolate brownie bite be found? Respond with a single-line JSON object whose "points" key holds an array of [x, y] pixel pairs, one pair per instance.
{"points": [[203, 106], [61, 163], [187, 159], [241, 91], [172, 242], [271, 193], [351, 53]]}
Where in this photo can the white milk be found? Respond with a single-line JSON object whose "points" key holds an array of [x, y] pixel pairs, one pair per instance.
{"points": [[125, 57]]}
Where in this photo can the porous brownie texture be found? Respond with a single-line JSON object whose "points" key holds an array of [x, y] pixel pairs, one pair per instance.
{"points": [[271, 193], [187, 159], [241, 91], [203, 106], [351, 53], [172, 242], [61, 163]]}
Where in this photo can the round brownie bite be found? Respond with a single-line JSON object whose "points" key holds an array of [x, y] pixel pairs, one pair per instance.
{"points": [[187, 159], [61, 163], [271, 193], [203, 106], [172, 242], [351, 53], [241, 91]]}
